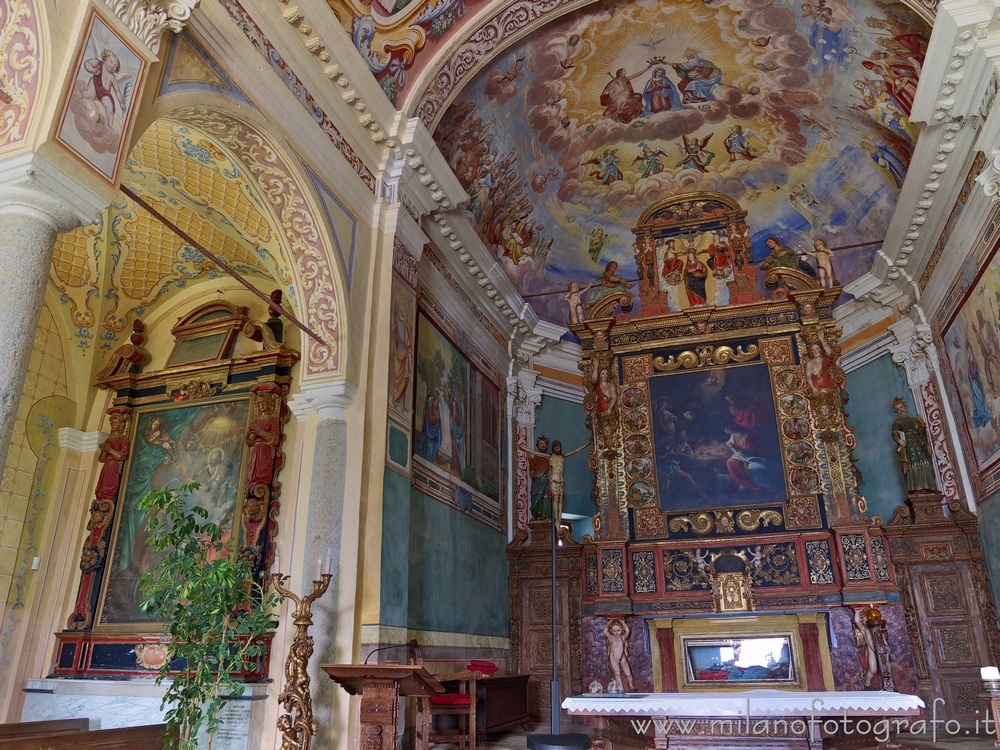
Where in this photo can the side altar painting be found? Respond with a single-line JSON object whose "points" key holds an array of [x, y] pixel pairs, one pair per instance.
{"points": [[172, 447], [217, 422]]}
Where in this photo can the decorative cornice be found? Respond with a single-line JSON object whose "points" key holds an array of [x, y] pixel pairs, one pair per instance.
{"points": [[317, 44], [77, 440], [148, 19], [294, 84]]}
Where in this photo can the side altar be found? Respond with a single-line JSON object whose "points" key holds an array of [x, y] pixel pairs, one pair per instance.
{"points": [[732, 549]]}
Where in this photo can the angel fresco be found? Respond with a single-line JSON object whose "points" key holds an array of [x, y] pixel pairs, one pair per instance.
{"points": [[608, 167], [738, 145], [695, 154], [650, 160]]}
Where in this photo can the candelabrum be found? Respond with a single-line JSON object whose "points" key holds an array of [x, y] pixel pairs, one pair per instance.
{"points": [[296, 724]]}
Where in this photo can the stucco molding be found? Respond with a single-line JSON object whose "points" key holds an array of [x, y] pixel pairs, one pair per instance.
{"points": [[148, 19], [327, 399], [78, 440]]}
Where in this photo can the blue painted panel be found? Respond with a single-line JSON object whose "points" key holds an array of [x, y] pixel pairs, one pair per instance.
{"points": [[395, 562], [989, 536]]}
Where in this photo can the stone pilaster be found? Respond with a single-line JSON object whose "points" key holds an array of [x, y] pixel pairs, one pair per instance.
{"points": [[523, 397], [327, 404]]}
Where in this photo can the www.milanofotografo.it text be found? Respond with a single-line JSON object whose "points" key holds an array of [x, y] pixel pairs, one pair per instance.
{"points": [[881, 729]]}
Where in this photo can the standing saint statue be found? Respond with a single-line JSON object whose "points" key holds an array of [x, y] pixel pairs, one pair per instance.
{"points": [[539, 471], [913, 447]]}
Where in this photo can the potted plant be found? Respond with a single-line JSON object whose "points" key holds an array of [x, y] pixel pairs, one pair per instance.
{"points": [[217, 610]]}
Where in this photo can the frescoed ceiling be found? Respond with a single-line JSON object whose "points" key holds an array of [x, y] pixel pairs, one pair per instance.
{"points": [[391, 35], [110, 273], [797, 110]]}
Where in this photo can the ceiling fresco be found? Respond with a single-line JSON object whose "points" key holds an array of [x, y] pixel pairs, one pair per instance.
{"points": [[390, 34], [109, 273], [797, 110]]}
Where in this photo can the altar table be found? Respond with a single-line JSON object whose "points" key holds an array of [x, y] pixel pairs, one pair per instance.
{"points": [[781, 720]]}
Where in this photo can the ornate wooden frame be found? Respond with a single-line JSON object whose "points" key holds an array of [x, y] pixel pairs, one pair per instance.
{"points": [[262, 377]]}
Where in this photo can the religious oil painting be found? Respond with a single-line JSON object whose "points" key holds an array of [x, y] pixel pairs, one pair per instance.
{"points": [[401, 349], [442, 403], [765, 659], [173, 446], [972, 340], [715, 438], [100, 105]]}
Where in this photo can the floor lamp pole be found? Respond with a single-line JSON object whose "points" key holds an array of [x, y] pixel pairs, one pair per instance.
{"points": [[555, 693]]}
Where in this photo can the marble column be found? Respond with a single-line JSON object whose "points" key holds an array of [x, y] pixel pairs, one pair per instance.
{"points": [[916, 352], [31, 216], [325, 405]]}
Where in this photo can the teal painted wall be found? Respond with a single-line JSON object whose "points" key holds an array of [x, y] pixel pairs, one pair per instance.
{"points": [[564, 421], [457, 571], [441, 570], [870, 413], [989, 537], [393, 593]]}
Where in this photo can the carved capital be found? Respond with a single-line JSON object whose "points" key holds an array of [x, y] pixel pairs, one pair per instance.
{"points": [[522, 401], [914, 350], [330, 400], [31, 185], [148, 19], [989, 178]]}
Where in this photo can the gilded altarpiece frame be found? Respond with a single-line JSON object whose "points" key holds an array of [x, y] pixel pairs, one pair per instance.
{"points": [[792, 512], [219, 422]]}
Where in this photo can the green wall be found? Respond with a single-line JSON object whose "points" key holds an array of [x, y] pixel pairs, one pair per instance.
{"points": [[441, 570], [869, 411]]}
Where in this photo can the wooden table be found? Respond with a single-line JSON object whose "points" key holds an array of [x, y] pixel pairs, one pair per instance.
{"points": [[501, 702]]}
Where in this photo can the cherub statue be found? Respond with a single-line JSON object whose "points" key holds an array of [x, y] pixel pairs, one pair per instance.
{"points": [[574, 296], [617, 632]]}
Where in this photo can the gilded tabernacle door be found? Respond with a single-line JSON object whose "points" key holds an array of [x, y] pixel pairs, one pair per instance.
{"points": [[211, 417]]}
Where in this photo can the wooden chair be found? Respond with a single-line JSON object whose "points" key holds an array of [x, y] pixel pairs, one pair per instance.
{"points": [[459, 703]]}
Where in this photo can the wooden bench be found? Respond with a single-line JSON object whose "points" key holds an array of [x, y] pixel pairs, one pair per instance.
{"points": [[150, 737], [55, 726]]}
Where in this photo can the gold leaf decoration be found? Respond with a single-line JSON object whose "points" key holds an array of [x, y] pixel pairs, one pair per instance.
{"points": [[749, 520], [702, 524], [705, 356]]}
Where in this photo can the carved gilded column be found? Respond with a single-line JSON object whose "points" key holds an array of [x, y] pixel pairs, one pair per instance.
{"points": [[916, 352]]}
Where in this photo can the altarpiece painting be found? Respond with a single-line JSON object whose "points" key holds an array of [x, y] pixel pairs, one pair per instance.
{"points": [[213, 416]]}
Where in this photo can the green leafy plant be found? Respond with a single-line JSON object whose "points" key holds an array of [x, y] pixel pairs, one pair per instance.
{"points": [[216, 610]]}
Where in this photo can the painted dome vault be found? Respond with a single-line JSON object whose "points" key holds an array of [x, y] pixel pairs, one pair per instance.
{"points": [[796, 111]]}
